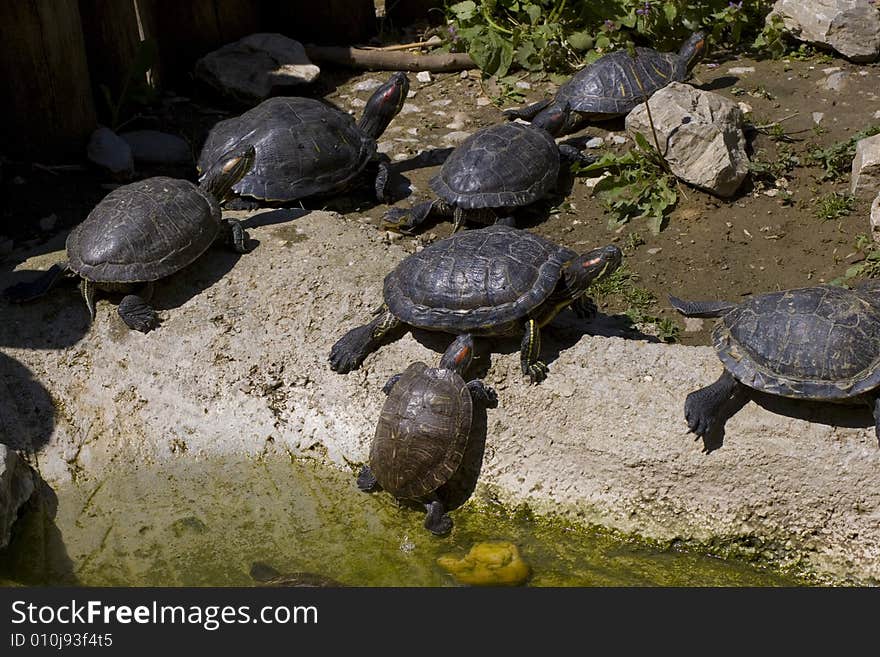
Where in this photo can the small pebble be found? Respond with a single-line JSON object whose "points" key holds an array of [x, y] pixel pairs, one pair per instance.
{"points": [[595, 142], [423, 76], [617, 139], [357, 102], [368, 85], [739, 70], [522, 84], [655, 250], [463, 75], [482, 101], [456, 137], [409, 108], [692, 324], [411, 93], [817, 117]]}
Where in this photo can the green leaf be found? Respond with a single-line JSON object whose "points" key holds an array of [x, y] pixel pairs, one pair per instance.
{"points": [[534, 12], [642, 142], [671, 11], [527, 56], [580, 40], [464, 11]]}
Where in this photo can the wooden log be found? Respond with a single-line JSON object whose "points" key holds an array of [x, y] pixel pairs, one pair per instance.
{"points": [[385, 60], [113, 33], [48, 111], [188, 30], [338, 22]]}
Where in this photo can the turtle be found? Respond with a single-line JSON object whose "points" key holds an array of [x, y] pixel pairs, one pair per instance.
{"points": [[497, 280], [494, 172], [306, 147], [818, 343], [423, 431], [615, 83], [142, 232]]}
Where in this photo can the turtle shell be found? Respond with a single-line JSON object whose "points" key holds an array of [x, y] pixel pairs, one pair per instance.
{"points": [[505, 165], [813, 343], [478, 281], [304, 147], [144, 231], [422, 431], [609, 86]]}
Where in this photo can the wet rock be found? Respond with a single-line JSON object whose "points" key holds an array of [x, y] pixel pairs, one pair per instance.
{"points": [[109, 151], [154, 147], [865, 177], [249, 69], [700, 134], [17, 484], [851, 27]]}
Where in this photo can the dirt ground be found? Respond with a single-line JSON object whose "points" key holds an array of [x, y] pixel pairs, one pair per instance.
{"points": [[765, 238]]}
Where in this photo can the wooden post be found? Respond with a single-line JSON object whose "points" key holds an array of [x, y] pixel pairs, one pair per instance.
{"points": [[342, 22], [188, 30], [47, 92], [113, 31]]}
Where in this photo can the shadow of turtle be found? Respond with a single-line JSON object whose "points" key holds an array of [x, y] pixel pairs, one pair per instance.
{"points": [[27, 412], [855, 415], [36, 554], [722, 82], [459, 488]]}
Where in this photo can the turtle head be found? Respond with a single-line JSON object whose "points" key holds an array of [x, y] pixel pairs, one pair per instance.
{"points": [[230, 168], [553, 117], [459, 355], [384, 105], [693, 50], [581, 272]]}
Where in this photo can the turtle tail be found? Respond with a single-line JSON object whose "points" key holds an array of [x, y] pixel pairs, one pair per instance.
{"points": [[701, 308]]}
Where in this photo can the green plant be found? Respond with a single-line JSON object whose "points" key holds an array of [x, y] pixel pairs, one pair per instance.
{"points": [[620, 288], [639, 185], [834, 205], [766, 172], [868, 267], [772, 38], [836, 160], [136, 87]]}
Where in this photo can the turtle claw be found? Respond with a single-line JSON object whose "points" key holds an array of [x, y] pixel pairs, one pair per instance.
{"points": [[437, 521], [698, 420], [536, 371], [350, 350]]}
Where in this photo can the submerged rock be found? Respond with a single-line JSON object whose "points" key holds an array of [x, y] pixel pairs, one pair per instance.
{"points": [[249, 69], [700, 135], [488, 564]]}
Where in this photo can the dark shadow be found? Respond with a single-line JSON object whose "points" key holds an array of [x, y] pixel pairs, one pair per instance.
{"points": [[430, 158], [201, 275], [36, 554], [270, 216], [855, 415], [722, 82], [27, 412]]}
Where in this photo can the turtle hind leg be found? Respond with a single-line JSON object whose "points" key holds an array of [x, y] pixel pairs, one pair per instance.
{"points": [[351, 349], [366, 480], [242, 203], [701, 407], [437, 521], [24, 292], [234, 235], [528, 112], [701, 308], [137, 313], [483, 393]]}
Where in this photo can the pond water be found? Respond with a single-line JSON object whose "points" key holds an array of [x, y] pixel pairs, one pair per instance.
{"points": [[202, 523]]}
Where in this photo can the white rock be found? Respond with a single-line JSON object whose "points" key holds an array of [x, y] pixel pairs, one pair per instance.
{"points": [[745, 107], [409, 108], [851, 27], [357, 103], [482, 101], [875, 219], [835, 81], [443, 102], [740, 70], [618, 139], [522, 84], [456, 137], [865, 176], [249, 69], [108, 150], [459, 120], [369, 84], [595, 142], [423, 76], [817, 117], [700, 135]]}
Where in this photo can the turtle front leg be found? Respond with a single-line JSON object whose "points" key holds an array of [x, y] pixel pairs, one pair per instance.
{"points": [[23, 292], [877, 418], [366, 480], [569, 155], [437, 521], [406, 220], [529, 352], [702, 406], [136, 312], [383, 172], [351, 349], [482, 393], [235, 235]]}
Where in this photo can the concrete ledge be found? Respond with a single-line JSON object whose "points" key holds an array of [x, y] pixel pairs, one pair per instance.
{"points": [[239, 366]]}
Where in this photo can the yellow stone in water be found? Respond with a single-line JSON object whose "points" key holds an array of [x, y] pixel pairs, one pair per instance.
{"points": [[488, 564]]}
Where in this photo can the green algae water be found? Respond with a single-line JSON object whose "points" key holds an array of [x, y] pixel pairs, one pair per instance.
{"points": [[205, 523]]}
